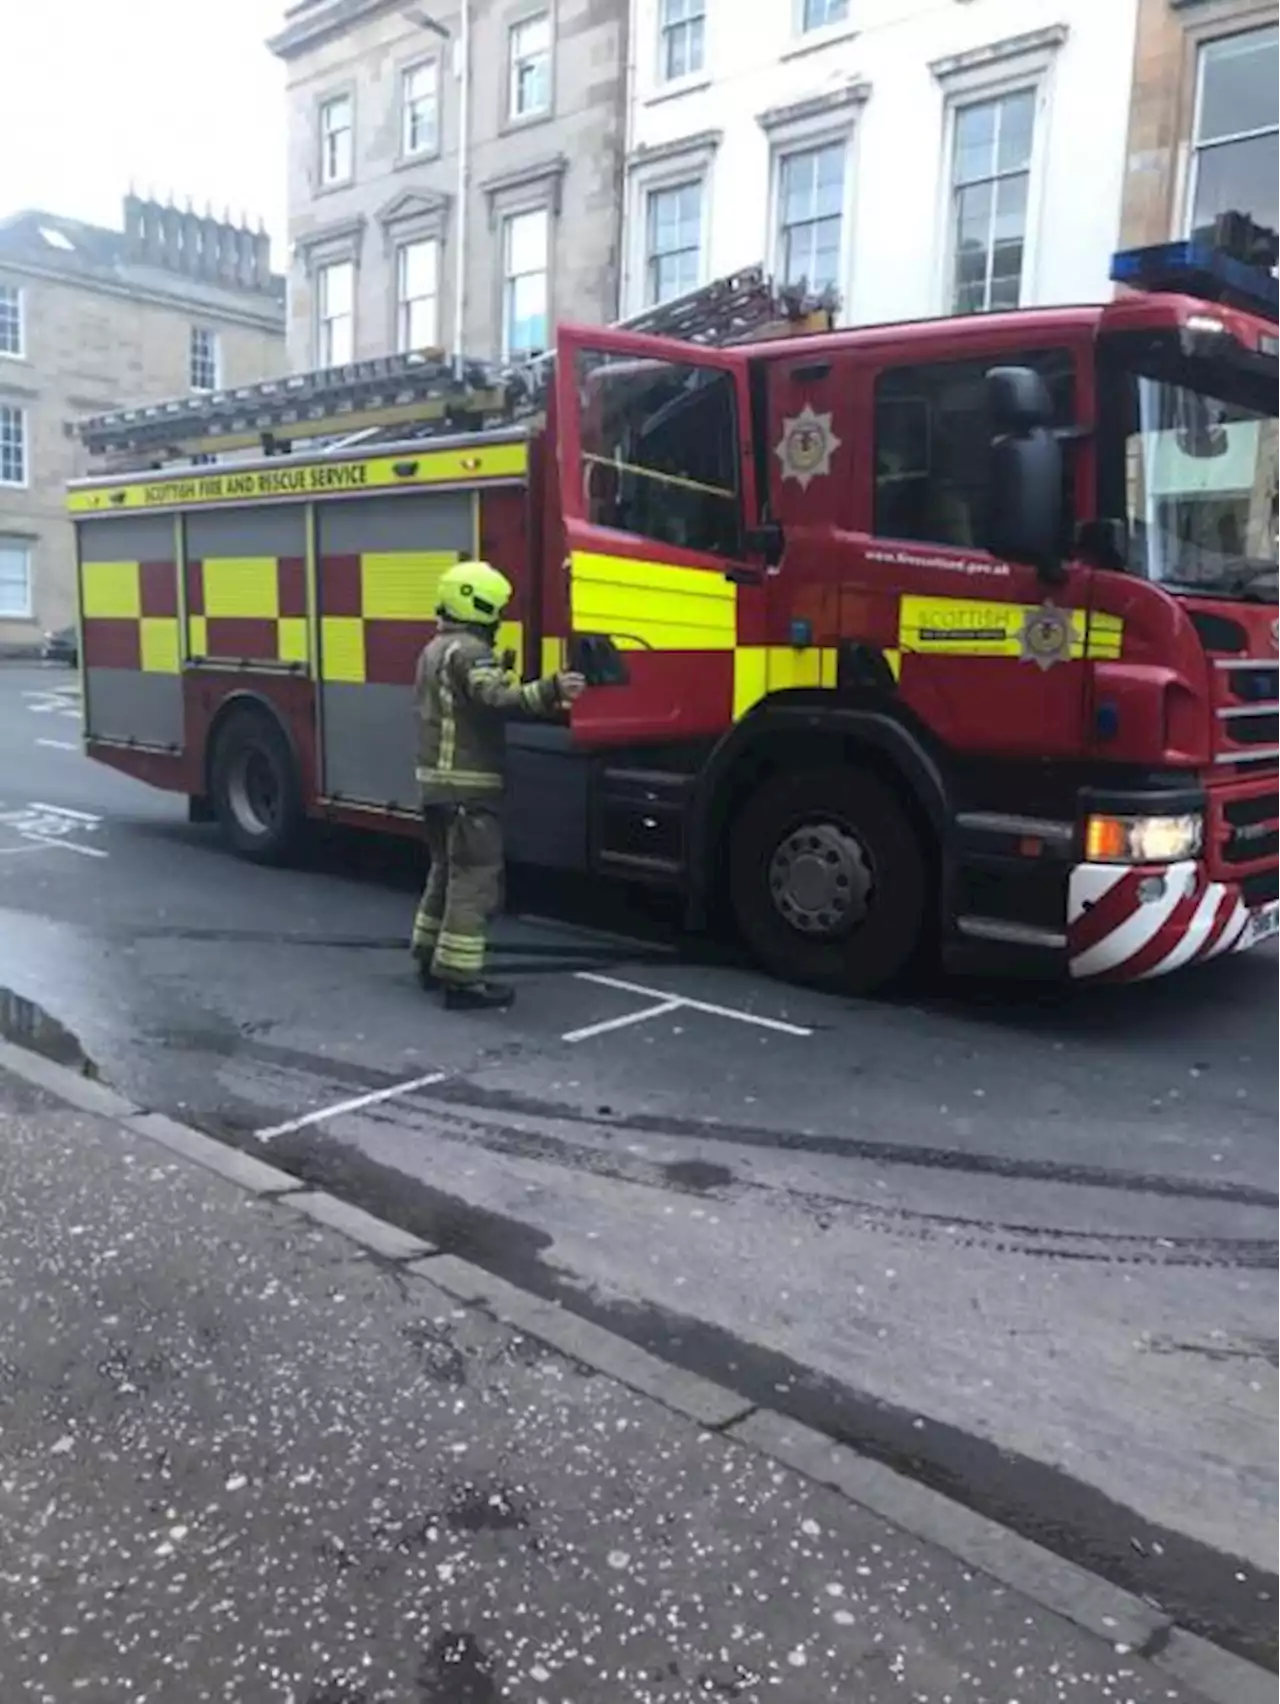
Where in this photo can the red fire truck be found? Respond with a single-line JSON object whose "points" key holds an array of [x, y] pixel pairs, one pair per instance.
{"points": [[961, 631]]}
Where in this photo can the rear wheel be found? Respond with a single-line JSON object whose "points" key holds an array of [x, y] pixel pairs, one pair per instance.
{"points": [[827, 879], [255, 789]]}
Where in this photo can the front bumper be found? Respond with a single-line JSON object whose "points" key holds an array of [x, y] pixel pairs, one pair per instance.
{"points": [[1126, 923]]}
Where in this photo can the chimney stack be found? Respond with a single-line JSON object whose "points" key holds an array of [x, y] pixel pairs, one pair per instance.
{"points": [[200, 245]]}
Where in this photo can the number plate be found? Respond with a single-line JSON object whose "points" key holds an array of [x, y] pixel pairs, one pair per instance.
{"points": [[1263, 925]]}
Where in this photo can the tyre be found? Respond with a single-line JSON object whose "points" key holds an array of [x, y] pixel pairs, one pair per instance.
{"points": [[255, 790], [827, 879]]}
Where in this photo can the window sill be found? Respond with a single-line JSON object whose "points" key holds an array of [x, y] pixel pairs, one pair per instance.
{"points": [[674, 91], [14, 355], [336, 187], [817, 40], [424, 157], [526, 120]]}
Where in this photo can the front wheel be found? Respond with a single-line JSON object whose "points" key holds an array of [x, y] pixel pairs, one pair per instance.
{"points": [[255, 789], [827, 879]]}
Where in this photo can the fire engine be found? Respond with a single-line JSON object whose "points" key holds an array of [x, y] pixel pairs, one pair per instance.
{"points": [[958, 632]]}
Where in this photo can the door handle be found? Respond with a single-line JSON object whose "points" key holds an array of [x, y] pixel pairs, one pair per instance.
{"points": [[745, 576]]}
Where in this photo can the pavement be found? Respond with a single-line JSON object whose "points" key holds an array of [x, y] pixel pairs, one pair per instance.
{"points": [[246, 1458], [1018, 1244]]}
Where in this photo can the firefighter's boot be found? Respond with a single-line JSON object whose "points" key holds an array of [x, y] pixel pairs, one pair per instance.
{"points": [[481, 996]]}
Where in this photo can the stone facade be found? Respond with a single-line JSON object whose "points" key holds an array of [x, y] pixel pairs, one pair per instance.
{"points": [[920, 159], [105, 320], [393, 195], [1159, 190]]}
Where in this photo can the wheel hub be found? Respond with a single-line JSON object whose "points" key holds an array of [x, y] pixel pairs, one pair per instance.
{"points": [[254, 793], [821, 879]]}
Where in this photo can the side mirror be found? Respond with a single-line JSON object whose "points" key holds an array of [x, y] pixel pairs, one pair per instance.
{"points": [[1017, 401], [1025, 512]]}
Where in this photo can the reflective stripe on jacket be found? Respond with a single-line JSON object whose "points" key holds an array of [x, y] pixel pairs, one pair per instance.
{"points": [[463, 696]]}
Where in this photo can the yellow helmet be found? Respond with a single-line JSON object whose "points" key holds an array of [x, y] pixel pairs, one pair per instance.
{"points": [[475, 593]]}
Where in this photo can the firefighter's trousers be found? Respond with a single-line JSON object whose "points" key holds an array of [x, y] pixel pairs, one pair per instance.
{"points": [[463, 891]]}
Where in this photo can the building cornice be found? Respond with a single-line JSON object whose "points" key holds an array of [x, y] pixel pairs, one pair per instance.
{"points": [[270, 317], [320, 20], [996, 53], [538, 173], [704, 142], [815, 107]]}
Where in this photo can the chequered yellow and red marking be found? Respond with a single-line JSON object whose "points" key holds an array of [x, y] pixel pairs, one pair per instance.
{"points": [[251, 608], [377, 609], [729, 654], [129, 616]]}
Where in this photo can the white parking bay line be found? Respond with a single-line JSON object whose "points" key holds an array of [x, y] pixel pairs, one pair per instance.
{"points": [[667, 1001], [60, 745], [657, 1011], [355, 1104]]}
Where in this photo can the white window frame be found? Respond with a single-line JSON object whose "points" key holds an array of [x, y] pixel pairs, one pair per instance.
{"points": [[516, 60], [786, 147], [25, 548], [809, 32], [679, 79], [671, 183], [10, 412], [18, 295], [1021, 66], [1194, 148], [214, 344], [962, 103], [404, 302], [323, 320], [422, 150], [509, 217], [325, 134]]}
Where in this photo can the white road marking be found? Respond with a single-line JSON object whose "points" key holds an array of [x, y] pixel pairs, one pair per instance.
{"points": [[70, 846], [16, 851], [665, 996], [66, 811], [355, 1104], [59, 745], [621, 1023], [51, 825]]}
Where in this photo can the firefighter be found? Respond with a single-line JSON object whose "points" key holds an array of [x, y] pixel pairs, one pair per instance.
{"points": [[462, 695]]}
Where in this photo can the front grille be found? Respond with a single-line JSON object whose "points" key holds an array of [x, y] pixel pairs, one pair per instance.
{"points": [[1252, 830], [1260, 889], [1261, 729], [1254, 686]]}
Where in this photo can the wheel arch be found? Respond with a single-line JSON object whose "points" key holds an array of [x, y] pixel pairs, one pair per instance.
{"points": [[871, 735], [245, 699]]}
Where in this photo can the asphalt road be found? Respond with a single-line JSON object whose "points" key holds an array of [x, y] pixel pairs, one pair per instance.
{"points": [[1021, 1242]]}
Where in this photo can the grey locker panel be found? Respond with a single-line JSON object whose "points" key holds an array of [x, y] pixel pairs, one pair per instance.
{"points": [[267, 530], [440, 520], [127, 538], [370, 741], [124, 704]]}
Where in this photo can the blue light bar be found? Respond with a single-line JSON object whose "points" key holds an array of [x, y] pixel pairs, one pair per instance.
{"points": [[1192, 268]]}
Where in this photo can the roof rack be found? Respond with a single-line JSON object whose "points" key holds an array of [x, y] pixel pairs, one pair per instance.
{"points": [[425, 392]]}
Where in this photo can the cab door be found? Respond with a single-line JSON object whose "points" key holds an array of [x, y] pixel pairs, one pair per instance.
{"points": [[658, 491]]}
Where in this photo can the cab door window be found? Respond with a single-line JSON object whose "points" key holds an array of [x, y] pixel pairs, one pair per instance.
{"points": [[659, 451], [932, 442]]}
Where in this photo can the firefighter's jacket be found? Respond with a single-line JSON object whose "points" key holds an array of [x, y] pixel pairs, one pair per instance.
{"points": [[463, 696]]}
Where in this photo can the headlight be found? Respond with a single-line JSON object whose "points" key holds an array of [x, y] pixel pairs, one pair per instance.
{"points": [[1142, 839]]}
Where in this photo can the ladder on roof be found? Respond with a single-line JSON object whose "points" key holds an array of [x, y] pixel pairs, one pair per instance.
{"points": [[424, 393]]}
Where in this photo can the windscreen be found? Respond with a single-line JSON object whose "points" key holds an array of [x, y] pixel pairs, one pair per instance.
{"points": [[1200, 480]]}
